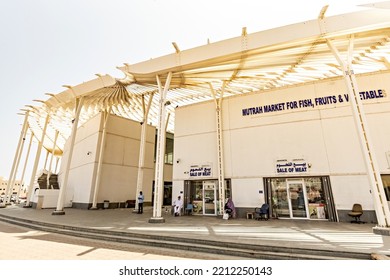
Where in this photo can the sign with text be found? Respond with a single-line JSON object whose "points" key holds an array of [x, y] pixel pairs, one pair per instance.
{"points": [[296, 166], [203, 170], [310, 103]]}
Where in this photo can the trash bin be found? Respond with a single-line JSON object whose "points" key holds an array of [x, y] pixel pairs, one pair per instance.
{"points": [[106, 204]]}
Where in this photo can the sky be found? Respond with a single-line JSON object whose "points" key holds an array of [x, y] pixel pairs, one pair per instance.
{"points": [[45, 44]]}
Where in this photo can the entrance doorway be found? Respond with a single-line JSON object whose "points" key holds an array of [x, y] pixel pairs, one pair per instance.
{"points": [[204, 201], [209, 198], [204, 196], [300, 198], [297, 199], [167, 199]]}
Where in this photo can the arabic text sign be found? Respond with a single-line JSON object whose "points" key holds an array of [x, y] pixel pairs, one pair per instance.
{"points": [[288, 167], [200, 171]]}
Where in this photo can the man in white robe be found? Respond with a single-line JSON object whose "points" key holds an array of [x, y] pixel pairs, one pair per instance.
{"points": [[177, 205]]}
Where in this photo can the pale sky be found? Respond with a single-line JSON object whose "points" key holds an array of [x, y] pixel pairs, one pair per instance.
{"points": [[46, 44]]}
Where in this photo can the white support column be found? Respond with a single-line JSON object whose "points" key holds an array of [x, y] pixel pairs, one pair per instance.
{"points": [[106, 114], [375, 181], [37, 157], [46, 158], [220, 148], [57, 161], [61, 197], [141, 160], [159, 176], [25, 165], [51, 159], [15, 165]]}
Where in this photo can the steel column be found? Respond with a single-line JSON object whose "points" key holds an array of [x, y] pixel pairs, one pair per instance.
{"points": [[51, 159], [141, 159], [106, 114], [375, 181], [220, 147], [37, 157], [25, 165], [159, 176], [46, 158], [55, 169], [61, 197], [15, 165]]}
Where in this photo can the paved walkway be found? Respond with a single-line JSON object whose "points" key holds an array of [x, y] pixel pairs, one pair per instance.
{"points": [[288, 233], [21, 243]]}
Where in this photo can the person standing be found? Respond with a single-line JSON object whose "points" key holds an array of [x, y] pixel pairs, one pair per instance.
{"points": [[140, 203]]}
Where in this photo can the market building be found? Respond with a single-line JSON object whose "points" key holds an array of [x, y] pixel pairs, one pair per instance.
{"points": [[294, 148], [295, 116]]}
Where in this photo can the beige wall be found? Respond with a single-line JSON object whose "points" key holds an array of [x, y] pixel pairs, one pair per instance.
{"points": [[120, 162]]}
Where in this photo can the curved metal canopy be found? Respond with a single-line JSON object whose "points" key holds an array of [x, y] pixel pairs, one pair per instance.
{"points": [[276, 58]]}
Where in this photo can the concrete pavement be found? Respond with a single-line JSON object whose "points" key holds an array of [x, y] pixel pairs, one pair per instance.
{"points": [[337, 237]]}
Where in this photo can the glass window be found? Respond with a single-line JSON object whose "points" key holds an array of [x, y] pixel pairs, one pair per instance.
{"points": [[279, 197], [168, 156], [316, 198], [169, 150]]}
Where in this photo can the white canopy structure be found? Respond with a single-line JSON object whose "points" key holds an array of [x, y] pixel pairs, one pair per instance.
{"points": [[322, 48], [279, 57]]}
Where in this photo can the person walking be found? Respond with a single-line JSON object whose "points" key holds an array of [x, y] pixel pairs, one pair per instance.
{"points": [[140, 203]]}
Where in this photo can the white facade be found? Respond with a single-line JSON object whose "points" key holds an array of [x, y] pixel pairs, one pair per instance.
{"points": [[120, 163], [311, 124]]}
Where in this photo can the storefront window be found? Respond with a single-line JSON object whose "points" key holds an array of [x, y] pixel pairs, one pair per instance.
{"points": [[316, 198], [279, 198], [302, 198]]}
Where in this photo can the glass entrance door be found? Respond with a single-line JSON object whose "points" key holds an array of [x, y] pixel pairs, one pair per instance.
{"points": [[297, 199], [203, 195], [209, 198], [286, 201]]}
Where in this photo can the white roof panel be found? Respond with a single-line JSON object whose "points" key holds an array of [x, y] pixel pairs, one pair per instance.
{"points": [[285, 56]]}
